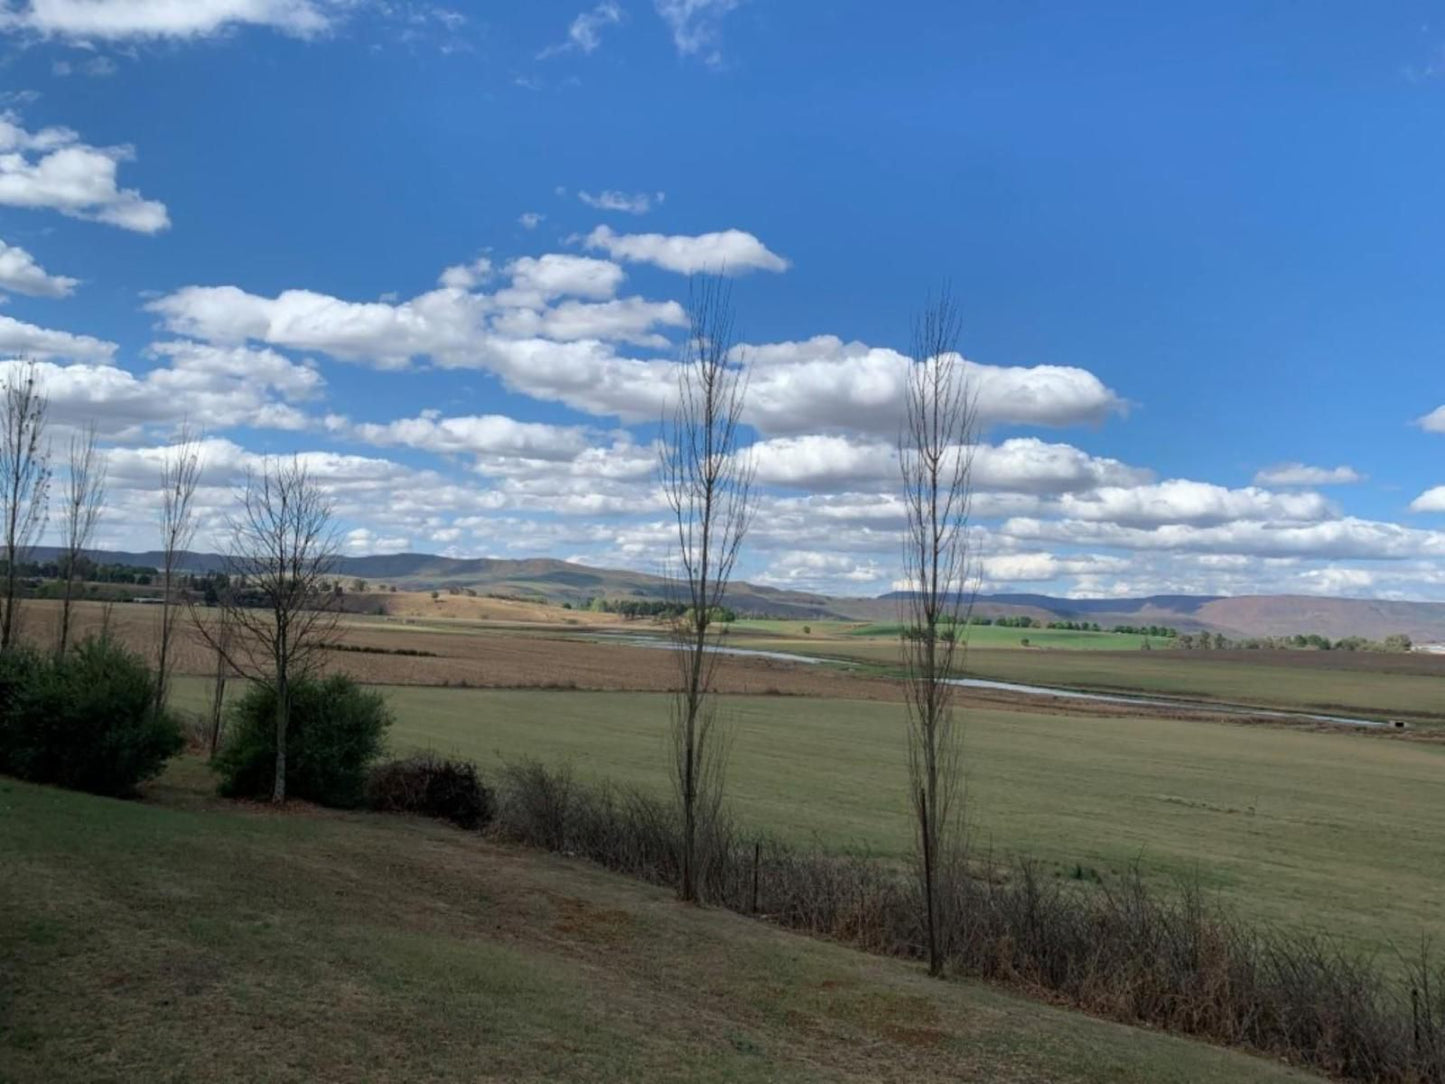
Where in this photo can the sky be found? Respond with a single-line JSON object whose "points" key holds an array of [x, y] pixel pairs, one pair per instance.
{"points": [[443, 253]]}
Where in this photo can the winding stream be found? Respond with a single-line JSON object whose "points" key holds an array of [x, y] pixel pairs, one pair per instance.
{"points": [[638, 640]]}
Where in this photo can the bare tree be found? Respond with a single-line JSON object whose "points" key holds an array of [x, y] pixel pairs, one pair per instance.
{"points": [[25, 476], [84, 499], [219, 633], [180, 472], [708, 480], [935, 454], [276, 616]]}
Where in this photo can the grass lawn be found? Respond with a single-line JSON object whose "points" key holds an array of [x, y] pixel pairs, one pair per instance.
{"points": [[183, 940], [1334, 832]]}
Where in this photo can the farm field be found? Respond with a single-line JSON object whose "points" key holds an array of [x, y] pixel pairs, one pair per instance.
{"points": [[185, 939], [1375, 685], [1336, 832]]}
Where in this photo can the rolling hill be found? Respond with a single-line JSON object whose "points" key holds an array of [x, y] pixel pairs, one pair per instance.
{"points": [[562, 581]]}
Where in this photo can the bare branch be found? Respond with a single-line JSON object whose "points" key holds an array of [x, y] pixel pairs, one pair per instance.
{"points": [[25, 476], [708, 482], [180, 473], [277, 613], [84, 499], [935, 454]]}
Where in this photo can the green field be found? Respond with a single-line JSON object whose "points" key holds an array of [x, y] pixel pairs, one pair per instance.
{"points": [[872, 637], [1337, 832], [183, 939], [1306, 685]]}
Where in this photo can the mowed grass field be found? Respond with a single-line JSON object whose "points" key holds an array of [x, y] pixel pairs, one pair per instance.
{"points": [[1334, 832], [184, 939]]}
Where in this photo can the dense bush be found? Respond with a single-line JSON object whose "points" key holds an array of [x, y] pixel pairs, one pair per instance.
{"points": [[335, 732], [1116, 948], [85, 720], [448, 790]]}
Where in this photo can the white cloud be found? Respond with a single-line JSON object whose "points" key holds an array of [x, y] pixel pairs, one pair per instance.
{"points": [[17, 337], [215, 387], [730, 252], [695, 24], [1432, 500], [824, 384], [1020, 465], [20, 273], [1346, 537], [639, 203], [540, 278], [530, 220], [127, 19], [493, 434], [1434, 422], [1181, 500], [585, 33], [96, 67], [466, 276], [1000, 570], [1299, 474], [53, 169], [629, 319]]}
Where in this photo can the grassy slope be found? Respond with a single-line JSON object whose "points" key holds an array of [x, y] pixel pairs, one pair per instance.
{"points": [[1337, 832], [187, 943]]}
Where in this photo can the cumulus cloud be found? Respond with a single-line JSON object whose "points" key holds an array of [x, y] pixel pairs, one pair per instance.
{"points": [[1022, 465], [53, 169], [530, 220], [1432, 500], [639, 203], [466, 276], [732, 252], [1181, 500], [113, 20], [218, 387], [17, 337], [824, 384], [21, 274], [1434, 422], [477, 434], [540, 278], [1299, 474], [1000, 570]]}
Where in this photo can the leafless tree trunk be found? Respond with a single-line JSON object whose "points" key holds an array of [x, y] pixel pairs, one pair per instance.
{"points": [[283, 548], [25, 476], [84, 499], [221, 640], [180, 471], [708, 481], [935, 455]]}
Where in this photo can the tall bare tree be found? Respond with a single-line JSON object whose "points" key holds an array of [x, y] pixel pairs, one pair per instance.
{"points": [[180, 473], [25, 476], [84, 499], [277, 616], [935, 454], [708, 479]]}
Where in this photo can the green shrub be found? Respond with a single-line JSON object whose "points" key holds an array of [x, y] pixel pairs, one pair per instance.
{"points": [[335, 731], [446, 789], [86, 720]]}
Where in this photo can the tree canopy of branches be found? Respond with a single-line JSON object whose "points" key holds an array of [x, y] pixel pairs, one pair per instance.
{"points": [[180, 473], [707, 478], [282, 553], [84, 499], [936, 461], [25, 477]]}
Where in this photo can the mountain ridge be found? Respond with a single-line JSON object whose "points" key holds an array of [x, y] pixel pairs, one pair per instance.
{"points": [[564, 581]]}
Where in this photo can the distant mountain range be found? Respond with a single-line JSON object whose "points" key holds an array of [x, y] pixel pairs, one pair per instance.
{"points": [[562, 581]]}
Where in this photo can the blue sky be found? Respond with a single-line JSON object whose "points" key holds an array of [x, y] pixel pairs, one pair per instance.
{"points": [[440, 248]]}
